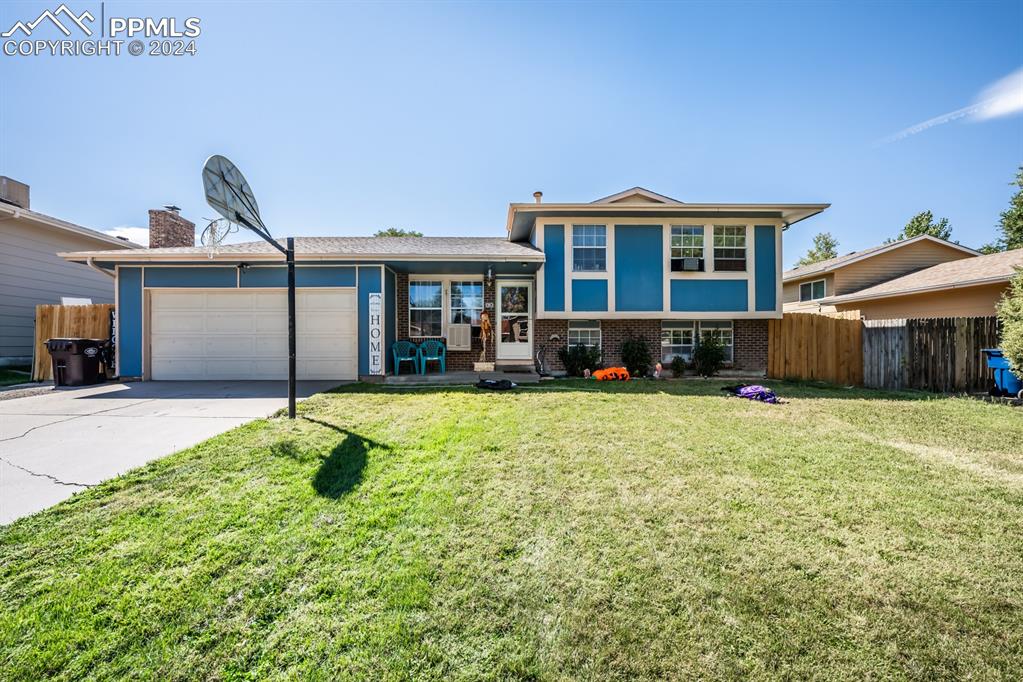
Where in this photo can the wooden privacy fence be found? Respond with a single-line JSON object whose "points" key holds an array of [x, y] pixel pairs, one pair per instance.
{"points": [[942, 355], [816, 347], [66, 321]]}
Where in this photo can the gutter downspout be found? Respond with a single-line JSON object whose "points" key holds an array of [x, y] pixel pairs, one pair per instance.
{"points": [[88, 261]]}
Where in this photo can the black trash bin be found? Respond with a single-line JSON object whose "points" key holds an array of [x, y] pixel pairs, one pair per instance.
{"points": [[76, 361]]}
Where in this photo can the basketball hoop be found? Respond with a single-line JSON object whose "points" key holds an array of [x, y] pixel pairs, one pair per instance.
{"points": [[215, 234]]}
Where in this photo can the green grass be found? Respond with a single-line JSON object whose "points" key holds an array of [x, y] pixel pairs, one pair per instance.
{"points": [[12, 376], [581, 531]]}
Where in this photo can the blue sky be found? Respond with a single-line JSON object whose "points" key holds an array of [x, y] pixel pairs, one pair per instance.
{"points": [[347, 118]]}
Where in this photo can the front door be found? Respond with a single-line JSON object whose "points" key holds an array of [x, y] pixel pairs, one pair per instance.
{"points": [[514, 320]]}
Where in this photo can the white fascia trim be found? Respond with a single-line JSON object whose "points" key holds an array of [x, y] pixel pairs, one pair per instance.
{"points": [[24, 214], [884, 249], [849, 298], [300, 258]]}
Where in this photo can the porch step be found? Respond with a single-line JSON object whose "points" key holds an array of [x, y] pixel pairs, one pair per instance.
{"points": [[516, 368]]}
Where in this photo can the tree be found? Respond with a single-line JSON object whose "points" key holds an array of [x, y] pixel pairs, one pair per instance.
{"points": [[398, 232], [824, 247], [1010, 222], [923, 223], [1010, 314]]}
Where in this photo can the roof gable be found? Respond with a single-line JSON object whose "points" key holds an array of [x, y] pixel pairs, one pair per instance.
{"points": [[637, 195]]}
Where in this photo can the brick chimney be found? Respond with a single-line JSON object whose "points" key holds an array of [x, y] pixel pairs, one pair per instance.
{"points": [[168, 228]]}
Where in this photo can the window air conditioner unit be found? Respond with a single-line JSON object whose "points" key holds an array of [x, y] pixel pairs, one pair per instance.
{"points": [[459, 337], [691, 264]]}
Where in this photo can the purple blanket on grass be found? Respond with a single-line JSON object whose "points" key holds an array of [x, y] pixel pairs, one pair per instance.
{"points": [[754, 392]]}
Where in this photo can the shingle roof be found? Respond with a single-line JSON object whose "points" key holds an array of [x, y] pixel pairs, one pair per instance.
{"points": [[384, 247], [840, 261], [995, 267]]}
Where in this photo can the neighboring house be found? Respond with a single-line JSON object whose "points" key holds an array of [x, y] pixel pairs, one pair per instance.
{"points": [[635, 263], [811, 288], [32, 273], [963, 288]]}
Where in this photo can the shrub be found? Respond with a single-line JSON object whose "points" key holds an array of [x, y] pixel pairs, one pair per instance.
{"points": [[1010, 314], [678, 366], [708, 356], [579, 358], [636, 356]]}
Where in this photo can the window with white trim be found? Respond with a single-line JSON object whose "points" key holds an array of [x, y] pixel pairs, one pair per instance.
{"points": [[466, 303], [425, 308], [677, 340], [721, 331], [686, 242], [730, 248], [811, 291], [589, 248], [584, 333]]}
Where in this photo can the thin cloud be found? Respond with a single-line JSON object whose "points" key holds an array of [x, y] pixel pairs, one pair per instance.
{"points": [[139, 235], [1001, 98]]}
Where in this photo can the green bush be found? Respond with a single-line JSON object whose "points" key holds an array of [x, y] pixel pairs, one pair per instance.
{"points": [[1010, 313], [636, 356], [678, 366], [576, 359], [708, 356]]}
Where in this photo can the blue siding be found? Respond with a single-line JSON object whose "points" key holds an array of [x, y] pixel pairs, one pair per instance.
{"points": [[369, 282], [129, 322], [766, 268], [589, 295], [639, 267], [709, 295], [204, 277], [554, 268], [304, 277], [390, 309]]}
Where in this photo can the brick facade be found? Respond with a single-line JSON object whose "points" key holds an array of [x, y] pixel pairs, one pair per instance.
{"points": [[168, 228], [457, 360], [749, 339]]}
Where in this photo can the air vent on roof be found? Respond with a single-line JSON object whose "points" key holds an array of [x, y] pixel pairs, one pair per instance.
{"points": [[13, 192]]}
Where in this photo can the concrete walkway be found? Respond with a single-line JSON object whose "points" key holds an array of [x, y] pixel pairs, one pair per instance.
{"points": [[65, 440]]}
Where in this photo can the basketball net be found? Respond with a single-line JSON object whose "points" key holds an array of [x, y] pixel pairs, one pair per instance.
{"points": [[215, 234]]}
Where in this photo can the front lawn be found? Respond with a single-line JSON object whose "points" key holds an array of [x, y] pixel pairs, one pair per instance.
{"points": [[640, 531]]}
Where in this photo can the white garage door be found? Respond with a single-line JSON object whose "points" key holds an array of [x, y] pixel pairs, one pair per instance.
{"points": [[218, 334]]}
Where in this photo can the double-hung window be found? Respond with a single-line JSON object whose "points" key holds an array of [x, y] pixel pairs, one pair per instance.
{"points": [[425, 308], [730, 248], [687, 248], [811, 291], [584, 333], [589, 248], [466, 300], [720, 332], [677, 340]]}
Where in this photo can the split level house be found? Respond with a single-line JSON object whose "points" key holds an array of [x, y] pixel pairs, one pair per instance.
{"points": [[636, 263], [913, 278]]}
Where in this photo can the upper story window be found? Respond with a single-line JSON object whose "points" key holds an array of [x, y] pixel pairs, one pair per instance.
{"points": [[589, 248], [730, 248], [584, 333], [425, 308], [687, 248], [811, 291]]}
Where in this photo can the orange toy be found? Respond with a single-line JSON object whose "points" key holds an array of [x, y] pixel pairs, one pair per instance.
{"points": [[612, 374]]}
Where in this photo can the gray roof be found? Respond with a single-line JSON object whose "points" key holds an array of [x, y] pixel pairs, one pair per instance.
{"points": [[840, 261], [432, 248]]}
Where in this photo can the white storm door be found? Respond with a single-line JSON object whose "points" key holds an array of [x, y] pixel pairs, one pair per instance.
{"points": [[514, 320]]}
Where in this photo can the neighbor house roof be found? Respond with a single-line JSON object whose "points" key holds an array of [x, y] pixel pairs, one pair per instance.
{"points": [[8, 212], [354, 248], [639, 202], [966, 272], [832, 264]]}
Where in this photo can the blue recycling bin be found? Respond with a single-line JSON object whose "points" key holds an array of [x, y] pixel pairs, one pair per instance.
{"points": [[1006, 383]]}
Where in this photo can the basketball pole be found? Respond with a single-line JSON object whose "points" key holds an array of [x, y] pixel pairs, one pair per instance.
{"points": [[290, 255]]}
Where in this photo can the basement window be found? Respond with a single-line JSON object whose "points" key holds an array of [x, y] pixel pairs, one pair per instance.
{"points": [[584, 333], [677, 339]]}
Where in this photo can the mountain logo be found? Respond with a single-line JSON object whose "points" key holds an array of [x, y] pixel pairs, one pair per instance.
{"points": [[77, 20]]}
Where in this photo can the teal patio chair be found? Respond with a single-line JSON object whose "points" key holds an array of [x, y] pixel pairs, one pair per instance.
{"points": [[432, 350], [405, 351]]}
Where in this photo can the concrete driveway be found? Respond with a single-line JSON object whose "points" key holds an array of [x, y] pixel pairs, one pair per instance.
{"points": [[55, 444]]}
